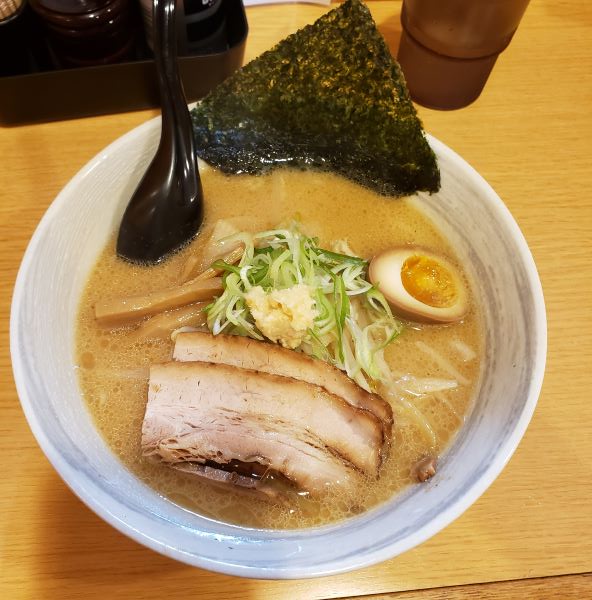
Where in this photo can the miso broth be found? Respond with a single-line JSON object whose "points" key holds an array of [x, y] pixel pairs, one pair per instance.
{"points": [[113, 365]]}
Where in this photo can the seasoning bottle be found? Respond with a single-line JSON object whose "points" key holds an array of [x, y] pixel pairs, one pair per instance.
{"points": [[83, 33], [205, 26], [201, 26], [146, 7]]}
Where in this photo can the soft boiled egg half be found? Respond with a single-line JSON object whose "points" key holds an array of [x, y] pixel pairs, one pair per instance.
{"points": [[419, 284]]}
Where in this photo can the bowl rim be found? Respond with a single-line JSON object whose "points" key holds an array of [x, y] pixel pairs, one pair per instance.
{"points": [[330, 566]]}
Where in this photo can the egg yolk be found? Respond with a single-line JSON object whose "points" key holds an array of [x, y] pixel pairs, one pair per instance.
{"points": [[429, 281]]}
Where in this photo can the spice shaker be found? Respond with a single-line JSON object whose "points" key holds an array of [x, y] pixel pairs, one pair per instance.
{"points": [[201, 26], [205, 24], [87, 32]]}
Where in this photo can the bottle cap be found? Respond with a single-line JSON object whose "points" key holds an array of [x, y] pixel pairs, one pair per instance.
{"points": [[438, 81]]}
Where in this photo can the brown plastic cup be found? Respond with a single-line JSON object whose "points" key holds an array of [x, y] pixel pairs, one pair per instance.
{"points": [[448, 48]]}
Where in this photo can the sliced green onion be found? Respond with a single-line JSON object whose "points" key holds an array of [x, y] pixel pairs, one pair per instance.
{"points": [[351, 337]]}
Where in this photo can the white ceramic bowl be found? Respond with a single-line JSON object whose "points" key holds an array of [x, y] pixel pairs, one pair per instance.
{"points": [[46, 295]]}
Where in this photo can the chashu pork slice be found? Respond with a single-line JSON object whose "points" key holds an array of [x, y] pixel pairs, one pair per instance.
{"points": [[247, 353], [213, 413], [244, 477]]}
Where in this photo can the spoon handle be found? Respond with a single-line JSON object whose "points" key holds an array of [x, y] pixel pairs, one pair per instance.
{"points": [[166, 210], [175, 115]]}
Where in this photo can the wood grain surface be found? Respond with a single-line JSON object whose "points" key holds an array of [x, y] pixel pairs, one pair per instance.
{"points": [[537, 588], [529, 135]]}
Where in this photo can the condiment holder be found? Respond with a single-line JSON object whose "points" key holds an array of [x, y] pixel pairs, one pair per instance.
{"points": [[63, 78]]}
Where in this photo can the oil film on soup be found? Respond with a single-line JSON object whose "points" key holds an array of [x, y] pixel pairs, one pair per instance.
{"points": [[433, 367]]}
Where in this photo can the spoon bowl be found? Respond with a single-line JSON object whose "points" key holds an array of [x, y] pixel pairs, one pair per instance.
{"points": [[166, 209]]}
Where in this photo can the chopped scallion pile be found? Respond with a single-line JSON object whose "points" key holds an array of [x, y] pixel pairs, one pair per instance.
{"points": [[353, 322]]}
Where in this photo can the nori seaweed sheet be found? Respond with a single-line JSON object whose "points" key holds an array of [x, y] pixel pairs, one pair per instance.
{"points": [[329, 96]]}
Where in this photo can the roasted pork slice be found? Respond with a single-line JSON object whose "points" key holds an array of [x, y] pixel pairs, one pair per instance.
{"points": [[214, 413], [251, 478], [247, 353]]}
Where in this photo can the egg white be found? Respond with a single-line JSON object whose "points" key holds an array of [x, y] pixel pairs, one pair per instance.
{"points": [[385, 273]]}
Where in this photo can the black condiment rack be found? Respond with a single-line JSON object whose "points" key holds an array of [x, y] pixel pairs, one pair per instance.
{"points": [[47, 93]]}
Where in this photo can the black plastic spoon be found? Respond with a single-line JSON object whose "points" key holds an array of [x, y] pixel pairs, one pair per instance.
{"points": [[166, 210]]}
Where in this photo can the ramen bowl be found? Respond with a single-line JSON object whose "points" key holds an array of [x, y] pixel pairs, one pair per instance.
{"points": [[55, 267]]}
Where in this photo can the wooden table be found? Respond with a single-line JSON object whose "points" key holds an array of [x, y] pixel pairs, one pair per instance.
{"points": [[530, 535]]}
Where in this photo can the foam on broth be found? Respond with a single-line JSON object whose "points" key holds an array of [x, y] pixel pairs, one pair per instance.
{"points": [[114, 369]]}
